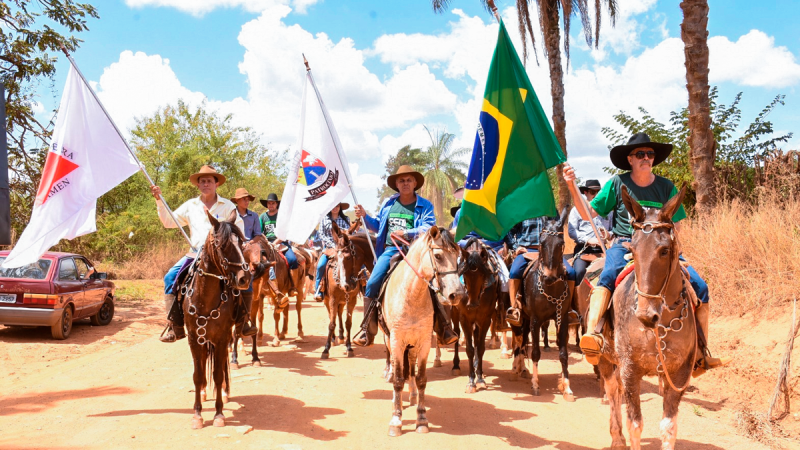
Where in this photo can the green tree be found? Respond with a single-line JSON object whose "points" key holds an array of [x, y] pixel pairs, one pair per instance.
{"points": [[444, 170], [733, 154], [29, 45]]}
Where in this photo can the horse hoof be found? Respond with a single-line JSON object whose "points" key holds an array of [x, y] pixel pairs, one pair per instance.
{"points": [[535, 391], [235, 366], [471, 389], [256, 363], [437, 363], [299, 340], [569, 397], [324, 356], [481, 385], [282, 336], [422, 429], [276, 343], [394, 431], [455, 372], [505, 355], [219, 421], [351, 353], [197, 423]]}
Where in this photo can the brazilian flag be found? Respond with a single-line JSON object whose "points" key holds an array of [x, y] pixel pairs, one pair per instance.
{"points": [[514, 146]]}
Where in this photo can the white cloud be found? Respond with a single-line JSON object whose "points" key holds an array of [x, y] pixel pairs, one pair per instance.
{"points": [[753, 60], [199, 8]]}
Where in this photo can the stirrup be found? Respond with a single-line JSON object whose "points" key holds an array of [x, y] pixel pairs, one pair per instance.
{"points": [[514, 317], [319, 296], [363, 338], [592, 350], [172, 335]]}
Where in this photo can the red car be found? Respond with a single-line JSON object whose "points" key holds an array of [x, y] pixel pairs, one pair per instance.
{"points": [[53, 292]]}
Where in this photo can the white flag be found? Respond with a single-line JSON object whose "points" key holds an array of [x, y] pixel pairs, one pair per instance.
{"points": [[86, 159], [317, 179]]}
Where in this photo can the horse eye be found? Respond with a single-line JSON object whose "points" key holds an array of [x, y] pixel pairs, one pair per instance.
{"points": [[665, 252], [438, 257]]}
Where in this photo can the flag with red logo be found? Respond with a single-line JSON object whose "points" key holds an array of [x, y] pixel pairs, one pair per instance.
{"points": [[86, 159], [318, 175]]}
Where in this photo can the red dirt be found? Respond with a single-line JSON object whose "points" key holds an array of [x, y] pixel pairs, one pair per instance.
{"points": [[118, 387]]}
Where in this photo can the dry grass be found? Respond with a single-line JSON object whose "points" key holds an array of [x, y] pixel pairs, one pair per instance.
{"points": [[758, 427], [748, 254], [152, 264]]}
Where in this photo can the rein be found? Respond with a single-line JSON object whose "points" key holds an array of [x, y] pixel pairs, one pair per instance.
{"points": [[559, 302], [436, 273]]}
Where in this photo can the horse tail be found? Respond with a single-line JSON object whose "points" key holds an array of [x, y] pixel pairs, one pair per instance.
{"points": [[210, 361], [406, 365]]}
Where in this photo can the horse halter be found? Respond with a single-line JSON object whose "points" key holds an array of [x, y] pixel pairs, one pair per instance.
{"points": [[559, 302], [352, 248], [223, 264], [436, 273], [647, 228]]}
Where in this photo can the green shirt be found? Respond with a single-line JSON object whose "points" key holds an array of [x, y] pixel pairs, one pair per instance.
{"points": [[268, 225], [653, 196], [401, 217]]}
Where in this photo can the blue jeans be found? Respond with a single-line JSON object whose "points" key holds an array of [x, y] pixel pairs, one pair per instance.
{"points": [[290, 257], [615, 262], [172, 274], [323, 261], [520, 263], [379, 272]]}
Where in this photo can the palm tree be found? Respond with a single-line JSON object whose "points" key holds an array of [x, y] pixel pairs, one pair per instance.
{"points": [[702, 146], [444, 171], [550, 15]]}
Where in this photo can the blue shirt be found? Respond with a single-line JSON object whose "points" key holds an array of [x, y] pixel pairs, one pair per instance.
{"points": [[252, 226], [424, 219], [525, 234]]}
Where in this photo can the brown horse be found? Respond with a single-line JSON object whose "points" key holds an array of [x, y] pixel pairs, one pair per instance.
{"points": [[475, 316], [343, 281], [548, 296], [208, 296], [654, 330], [408, 311], [256, 255]]}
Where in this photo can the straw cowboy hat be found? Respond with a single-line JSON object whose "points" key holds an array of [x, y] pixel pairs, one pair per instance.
{"points": [[206, 171], [590, 185], [619, 154], [270, 198], [405, 170], [241, 193]]}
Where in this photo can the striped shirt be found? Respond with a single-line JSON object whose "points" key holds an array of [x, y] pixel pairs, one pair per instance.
{"points": [[343, 222]]}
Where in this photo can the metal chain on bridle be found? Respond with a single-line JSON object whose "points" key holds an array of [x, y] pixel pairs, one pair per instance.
{"points": [[559, 302], [218, 260], [354, 278], [676, 323]]}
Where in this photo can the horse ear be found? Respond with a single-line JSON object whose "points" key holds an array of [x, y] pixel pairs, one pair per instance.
{"points": [[213, 220], [672, 205], [434, 232], [355, 226], [563, 217], [231, 217], [634, 208]]}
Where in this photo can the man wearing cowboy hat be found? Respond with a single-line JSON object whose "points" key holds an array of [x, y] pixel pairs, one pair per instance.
{"points": [[269, 219], [638, 156], [404, 215], [252, 224], [326, 236], [581, 231], [193, 214]]}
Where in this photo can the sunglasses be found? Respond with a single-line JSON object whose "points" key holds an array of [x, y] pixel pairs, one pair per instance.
{"points": [[650, 154]]}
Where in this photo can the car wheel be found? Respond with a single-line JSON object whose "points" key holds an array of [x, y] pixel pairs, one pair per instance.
{"points": [[62, 328], [106, 313]]}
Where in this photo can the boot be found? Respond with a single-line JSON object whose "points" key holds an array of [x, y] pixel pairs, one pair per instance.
{"points": [[243, 326], [174, 330], [573, 318], [591, 342], [706, 361], [369, 326], [320, 294], [444, 330], [514, 315]]}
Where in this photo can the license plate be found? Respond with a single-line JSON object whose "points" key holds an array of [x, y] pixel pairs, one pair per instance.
{"points": [[12, 298]]}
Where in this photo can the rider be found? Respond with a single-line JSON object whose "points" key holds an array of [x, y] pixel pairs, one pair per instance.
{"points": [[252, 228], [638, 157], [404, 215], [269, 219], [193, 214], [581, 231], [343, 222]]}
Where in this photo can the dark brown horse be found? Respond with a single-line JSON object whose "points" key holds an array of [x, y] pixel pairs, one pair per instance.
{"points": [[475, 315], [548, 296], [343, 281], [209, 295], [654, 330]]}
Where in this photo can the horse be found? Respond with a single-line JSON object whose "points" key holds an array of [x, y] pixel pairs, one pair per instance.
{"points": [[430, 266], [475, 316], [208, 296], [549, 297], [343, 281], [257, 257], [654, 330]]}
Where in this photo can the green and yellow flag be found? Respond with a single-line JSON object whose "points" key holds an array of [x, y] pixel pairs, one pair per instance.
{"points": [[514, 146]]}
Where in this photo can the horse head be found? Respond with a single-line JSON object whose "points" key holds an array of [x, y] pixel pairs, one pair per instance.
{"points": [[442, 266], [255, 254], [551, 248], [655, 249], [347, 266], [224, 249], [475, 270]]}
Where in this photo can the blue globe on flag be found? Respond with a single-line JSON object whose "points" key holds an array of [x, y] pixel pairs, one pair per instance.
{"points": [[312, 170]]}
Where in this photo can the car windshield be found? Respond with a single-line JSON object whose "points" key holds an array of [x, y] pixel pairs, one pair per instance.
{"points": [[33, 271]]}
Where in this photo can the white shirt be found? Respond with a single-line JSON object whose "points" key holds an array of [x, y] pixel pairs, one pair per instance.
{"points": [[193, 213]]}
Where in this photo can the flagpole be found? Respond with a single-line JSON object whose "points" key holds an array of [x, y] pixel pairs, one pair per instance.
{"points": [[139, 163], [338, 151]]}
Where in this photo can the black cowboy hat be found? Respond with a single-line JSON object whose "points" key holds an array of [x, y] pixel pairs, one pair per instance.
{"points": [[590, 185], [454, 210], [619, 154], [270, 198]]}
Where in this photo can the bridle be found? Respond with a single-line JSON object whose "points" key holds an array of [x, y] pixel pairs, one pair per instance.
{"points": [[558, 302], [491, 278], [647, 228], [336, 275], [436, 273]]}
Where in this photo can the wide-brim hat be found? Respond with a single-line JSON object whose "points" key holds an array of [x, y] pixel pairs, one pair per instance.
{"points": [[454, 210], [405, 170], [206, 171], [619, 154], [272, 197], [593, 185], [344, 206], [241, 193]]}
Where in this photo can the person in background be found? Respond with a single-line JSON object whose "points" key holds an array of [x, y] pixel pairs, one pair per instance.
{"points": [[269, 219], [582, 233], [252, 225], [343, 222]]}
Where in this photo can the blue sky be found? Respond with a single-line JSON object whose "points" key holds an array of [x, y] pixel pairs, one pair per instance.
{"points": [[385, 69]]}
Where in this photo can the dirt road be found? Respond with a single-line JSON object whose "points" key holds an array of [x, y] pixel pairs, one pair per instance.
{"points": [[119, 387]]}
